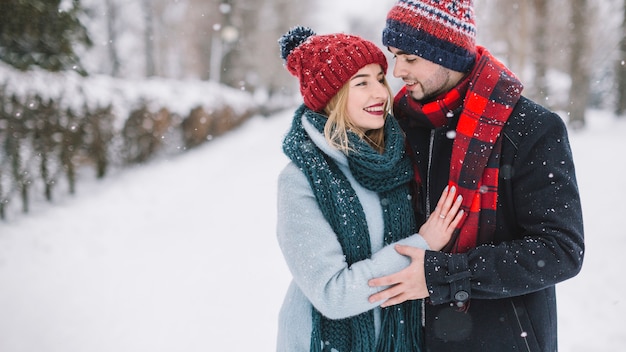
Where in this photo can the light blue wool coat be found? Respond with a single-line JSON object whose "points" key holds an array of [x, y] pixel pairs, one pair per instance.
{"points": [[321, 276]]}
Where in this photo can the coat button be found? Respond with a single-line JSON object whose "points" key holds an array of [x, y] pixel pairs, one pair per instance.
{"points": [[461, 296]]}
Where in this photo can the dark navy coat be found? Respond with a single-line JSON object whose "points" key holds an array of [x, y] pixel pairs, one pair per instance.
{"points": [[508, 286]]}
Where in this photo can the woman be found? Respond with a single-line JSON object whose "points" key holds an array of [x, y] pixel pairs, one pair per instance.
{"points": [[344, 198]]}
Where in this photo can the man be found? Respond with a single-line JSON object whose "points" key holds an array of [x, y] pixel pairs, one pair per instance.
{"points": [[493, 287]]}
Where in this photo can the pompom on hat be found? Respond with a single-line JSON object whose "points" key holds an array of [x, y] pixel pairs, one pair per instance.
{"points": [[324, 63], [440, 31]]}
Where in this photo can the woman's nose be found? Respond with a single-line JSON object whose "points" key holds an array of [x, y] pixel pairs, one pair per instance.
{"points": [[381, 91]]}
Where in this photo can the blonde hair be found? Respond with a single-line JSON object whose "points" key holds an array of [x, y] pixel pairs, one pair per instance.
{"points": [[339, 123]]}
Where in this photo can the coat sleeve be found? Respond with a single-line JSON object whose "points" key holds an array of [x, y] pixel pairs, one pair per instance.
{"points": [[315, 258], [542, 244]]}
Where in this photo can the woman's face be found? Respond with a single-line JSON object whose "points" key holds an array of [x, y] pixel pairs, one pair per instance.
{"points": [[367, 95]]}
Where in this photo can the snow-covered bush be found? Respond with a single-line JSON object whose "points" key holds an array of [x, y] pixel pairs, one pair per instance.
{"points": [[53, 125]]}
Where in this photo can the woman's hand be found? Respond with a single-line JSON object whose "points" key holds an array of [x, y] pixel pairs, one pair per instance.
{"points": [[438, 228]]}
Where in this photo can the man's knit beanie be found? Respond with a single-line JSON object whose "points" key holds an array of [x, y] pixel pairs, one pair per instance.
{"points": [[324, 63], [440, 31]]}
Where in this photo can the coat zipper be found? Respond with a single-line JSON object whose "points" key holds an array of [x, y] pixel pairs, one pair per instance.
{"points": [[430, 163], [521, 328], [430, 160]]}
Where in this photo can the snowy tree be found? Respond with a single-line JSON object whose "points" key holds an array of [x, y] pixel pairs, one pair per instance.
{"points": [[540, 51], [579, 68], [111, 11], [621, 68], [252, 61], [42, 33], [233, 42], [148, 37]]}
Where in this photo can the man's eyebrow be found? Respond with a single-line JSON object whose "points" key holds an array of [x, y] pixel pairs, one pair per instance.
{"points": [[399, 52]]}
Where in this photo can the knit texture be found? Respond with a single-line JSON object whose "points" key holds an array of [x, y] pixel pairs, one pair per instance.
{"points": [[440, 31], [486, 99], [389, 175], [324, 63]]}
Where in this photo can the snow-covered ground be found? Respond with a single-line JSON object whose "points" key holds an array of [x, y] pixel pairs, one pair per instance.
{"points": [[181, 255]]}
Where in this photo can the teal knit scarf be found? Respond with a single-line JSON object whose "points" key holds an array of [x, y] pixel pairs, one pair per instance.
{"points": [[388, 174]]}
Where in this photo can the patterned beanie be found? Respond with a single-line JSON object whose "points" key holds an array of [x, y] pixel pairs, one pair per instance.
{"points": [[440, 31], [324, 63]]}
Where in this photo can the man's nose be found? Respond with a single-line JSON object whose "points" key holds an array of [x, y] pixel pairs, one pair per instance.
{"points": [[398, 69]]}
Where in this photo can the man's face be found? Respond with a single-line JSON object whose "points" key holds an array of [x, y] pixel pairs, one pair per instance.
{"points": [[424, 79]]}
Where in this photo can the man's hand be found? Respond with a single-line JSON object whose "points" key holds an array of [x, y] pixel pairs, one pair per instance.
{"points": [[407, 284]]}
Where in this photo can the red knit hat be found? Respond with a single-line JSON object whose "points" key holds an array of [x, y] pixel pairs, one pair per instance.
{"points": [[324, 63], [440, 31]]}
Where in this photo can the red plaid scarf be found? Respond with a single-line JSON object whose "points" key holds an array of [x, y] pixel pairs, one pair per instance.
{"points": [[487, 97]]}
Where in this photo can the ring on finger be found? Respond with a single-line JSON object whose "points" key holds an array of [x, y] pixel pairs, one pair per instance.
{"points": [[442, 216]]}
